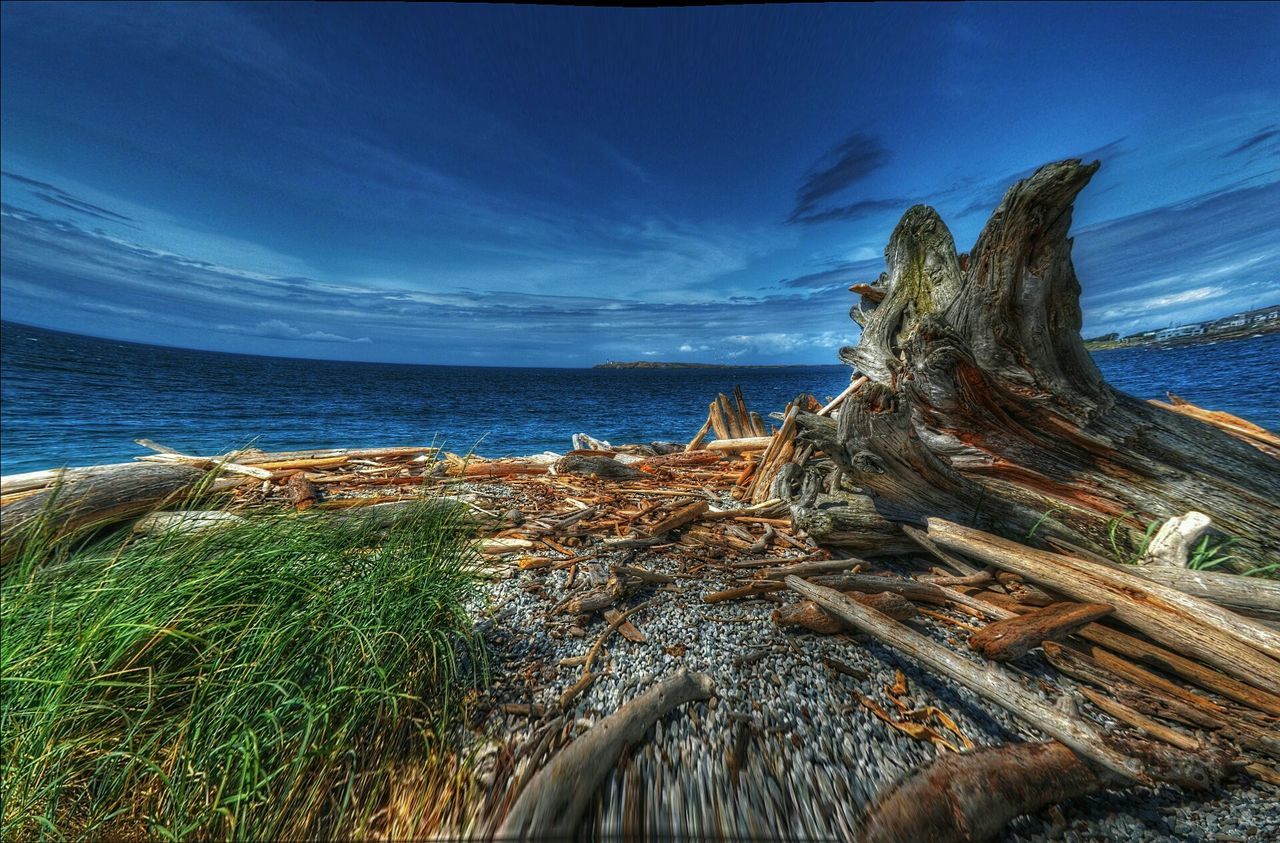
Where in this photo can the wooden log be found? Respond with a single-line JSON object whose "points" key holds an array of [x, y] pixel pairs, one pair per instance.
{"points": [[12, 484], [984, 405], [598, 598], [1124, 714], [552, 803], [605, 468], [749, 443], [210, 464], [954, 562], [1171, 662], [757, 425], [754, 589], [808, 615], [1255, 596], [1154, 699], [989, 681], [680, 518], [1234, 644], [973, 796], [719, 425], [1007, 640], [920, 591], [185, 521], [93, 500], [730, 415], [1259, 437], [499, 469], [1149, 654], [807, 569], [302, 493]]}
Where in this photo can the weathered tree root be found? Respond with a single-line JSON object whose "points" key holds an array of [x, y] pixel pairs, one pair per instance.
{"points": [[984, 407], [552, 804]]}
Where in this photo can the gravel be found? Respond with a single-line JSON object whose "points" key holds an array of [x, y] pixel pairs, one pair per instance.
{"points": [[784, 751]]}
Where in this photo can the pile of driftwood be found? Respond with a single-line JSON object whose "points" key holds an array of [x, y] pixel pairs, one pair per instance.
{"points": [[975, 433]]}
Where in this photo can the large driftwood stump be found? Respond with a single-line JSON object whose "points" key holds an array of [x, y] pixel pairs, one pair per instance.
{"points": [[984, 407]]}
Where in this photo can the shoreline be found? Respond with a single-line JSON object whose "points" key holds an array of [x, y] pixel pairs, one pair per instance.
{"points": [[808, 726], [1183, 342]]}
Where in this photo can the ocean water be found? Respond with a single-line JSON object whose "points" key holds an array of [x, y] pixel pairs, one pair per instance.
{"points": [[72, 400]]}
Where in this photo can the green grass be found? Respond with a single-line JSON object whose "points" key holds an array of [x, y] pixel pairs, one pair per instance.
{"points": [[269, 679]]}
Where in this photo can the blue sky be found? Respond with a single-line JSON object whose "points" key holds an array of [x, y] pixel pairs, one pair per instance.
{"points": [[492, 185]]}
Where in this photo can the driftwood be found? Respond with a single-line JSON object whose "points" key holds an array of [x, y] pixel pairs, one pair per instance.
{"points": [[814, 618], [1141, 651], [1173, 542], [683, 516], [971, 797], [992, 683], [1006, 640], [1237, 645], [186, 521], [922, 592], [605, 468], [552, 803], [984, 407], [746, 443], [96, 499], [1253, 596], [1147, 694], [1246, 431], [302, 493]]}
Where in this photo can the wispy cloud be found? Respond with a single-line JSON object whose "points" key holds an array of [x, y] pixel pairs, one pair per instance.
{"points": [[1253, 140], [278, 329], [59, 197], [54, 264], [852, 160]]}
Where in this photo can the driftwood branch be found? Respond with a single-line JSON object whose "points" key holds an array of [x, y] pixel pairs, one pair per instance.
{"points": [[552, 803]]}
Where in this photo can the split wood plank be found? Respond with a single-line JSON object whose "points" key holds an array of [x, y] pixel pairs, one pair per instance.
{"points": [[1236, 645]]}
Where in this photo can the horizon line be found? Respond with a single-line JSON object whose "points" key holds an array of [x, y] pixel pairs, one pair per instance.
{"points": [[64, 332]]}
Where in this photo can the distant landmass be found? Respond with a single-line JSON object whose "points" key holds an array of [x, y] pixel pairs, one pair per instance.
{"points": [[1237, 326], [658, 364]]}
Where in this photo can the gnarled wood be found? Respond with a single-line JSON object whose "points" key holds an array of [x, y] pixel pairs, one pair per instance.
{"points": [[984, 407]]}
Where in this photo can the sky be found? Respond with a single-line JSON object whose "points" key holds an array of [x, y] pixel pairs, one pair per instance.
{"points": [[559, 186]]}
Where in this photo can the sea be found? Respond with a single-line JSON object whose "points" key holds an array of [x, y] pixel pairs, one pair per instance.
{"points": [[72, 400]]}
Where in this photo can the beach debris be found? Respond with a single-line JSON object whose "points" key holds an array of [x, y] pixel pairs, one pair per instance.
{"points": [[552, 802], [1174, 541], [1009, 639], [974, 796]]}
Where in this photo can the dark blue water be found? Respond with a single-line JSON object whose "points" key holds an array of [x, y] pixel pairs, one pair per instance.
{"points": [[71, 400]]}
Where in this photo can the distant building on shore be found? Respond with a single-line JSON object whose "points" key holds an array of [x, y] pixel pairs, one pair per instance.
{"points": [[1180, 331], [1266, 318]]}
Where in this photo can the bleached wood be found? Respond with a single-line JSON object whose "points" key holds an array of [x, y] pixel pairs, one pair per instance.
{"points": [[1235, 644]]}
